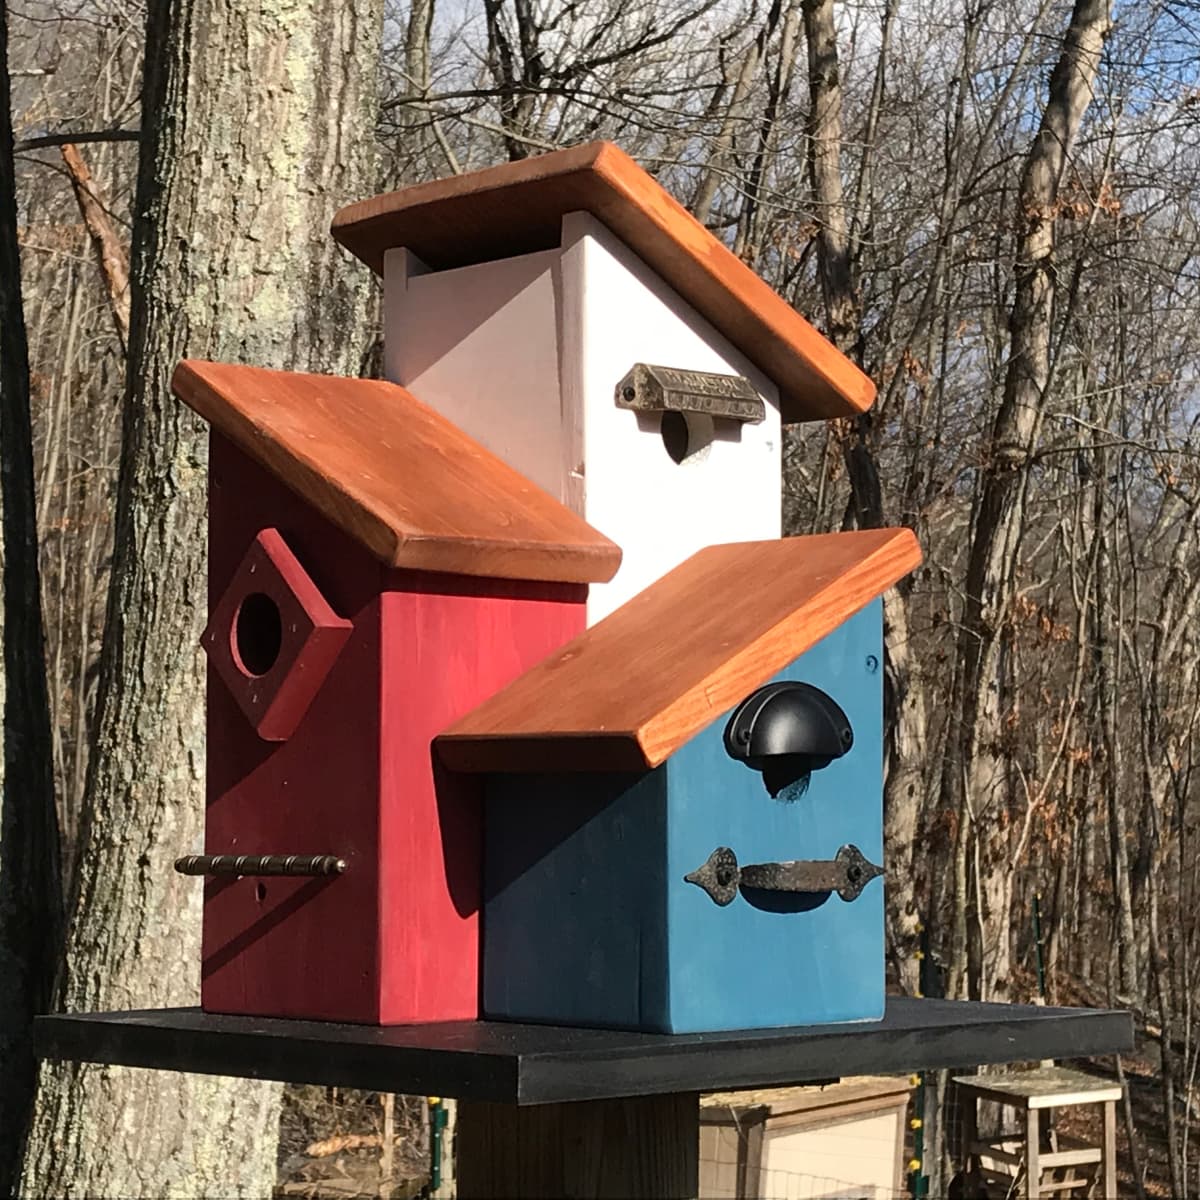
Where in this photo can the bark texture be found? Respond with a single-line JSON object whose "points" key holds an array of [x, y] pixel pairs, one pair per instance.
{"points": [[30, 888], [982, 963], [258, 122]]}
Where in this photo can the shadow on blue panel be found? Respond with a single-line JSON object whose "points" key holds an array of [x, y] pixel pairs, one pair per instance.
{"points": [[766, 900]]}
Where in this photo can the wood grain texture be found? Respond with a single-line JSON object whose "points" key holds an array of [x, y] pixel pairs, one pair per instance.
{"points": [[410, 486], [1109, 1182], [627, 693], [647, 1147], [517, 208]]}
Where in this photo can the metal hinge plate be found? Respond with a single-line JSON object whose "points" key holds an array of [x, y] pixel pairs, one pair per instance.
{"points": [[721, 877]]}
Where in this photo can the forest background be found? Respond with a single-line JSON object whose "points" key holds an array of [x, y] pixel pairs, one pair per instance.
{"points": [[992, 205]]}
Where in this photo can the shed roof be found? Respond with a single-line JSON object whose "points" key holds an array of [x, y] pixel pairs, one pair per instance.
{"points": [[630, 691], [399, 477], [517, 208]]}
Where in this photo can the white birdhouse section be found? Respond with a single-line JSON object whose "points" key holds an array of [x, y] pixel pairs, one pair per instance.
{"points": [[525, 354]]}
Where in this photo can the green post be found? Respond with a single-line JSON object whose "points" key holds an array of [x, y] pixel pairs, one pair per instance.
{"points": [[1037, 943], [437, 1123], [918, 1180]]}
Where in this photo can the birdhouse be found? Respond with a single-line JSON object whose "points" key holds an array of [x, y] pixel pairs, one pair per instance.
{"points": [[684, 816], [374, 574], [567, 313]]}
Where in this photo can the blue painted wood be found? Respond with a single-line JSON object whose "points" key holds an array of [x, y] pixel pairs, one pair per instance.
{"points": [[575, 899], [588, 920], [741, 967]]}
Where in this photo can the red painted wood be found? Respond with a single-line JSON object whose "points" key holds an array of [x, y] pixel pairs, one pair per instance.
{"points": [[448, 643], [395, 938], [274, 695], [294, 947]]}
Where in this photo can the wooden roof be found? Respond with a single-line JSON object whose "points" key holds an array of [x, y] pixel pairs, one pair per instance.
{"points": [[517, 208], [404, 481], [627, 693]]}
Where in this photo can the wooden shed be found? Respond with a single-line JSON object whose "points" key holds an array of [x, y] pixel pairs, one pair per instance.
{"points": [[844, 1141]]}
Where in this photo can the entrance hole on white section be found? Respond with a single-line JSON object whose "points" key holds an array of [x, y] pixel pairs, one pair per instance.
{"points": [[686, 437]]}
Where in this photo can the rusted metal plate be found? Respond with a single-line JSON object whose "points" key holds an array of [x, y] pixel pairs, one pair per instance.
{"points": [[649, 388], [847, 874], [718, 876]]}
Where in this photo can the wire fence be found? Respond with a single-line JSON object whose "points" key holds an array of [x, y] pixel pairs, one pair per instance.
{"points": [[853, 1144], [781, 1184]]}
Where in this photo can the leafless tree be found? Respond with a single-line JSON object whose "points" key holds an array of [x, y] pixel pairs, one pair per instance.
{"points": [[30, 886]]}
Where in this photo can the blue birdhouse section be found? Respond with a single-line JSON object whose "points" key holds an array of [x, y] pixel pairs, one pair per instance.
{"points": [[590, 918]]}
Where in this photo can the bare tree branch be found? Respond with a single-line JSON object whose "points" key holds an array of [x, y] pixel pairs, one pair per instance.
{"points": [[109, 246], [47, 140]]}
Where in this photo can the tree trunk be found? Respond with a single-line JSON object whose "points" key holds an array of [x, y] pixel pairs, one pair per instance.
{"points": [[1109, 621], [824, 166], [717, 162], [258, 121], [746, 244], [1000, 515], [30, 887], [905, 764]]}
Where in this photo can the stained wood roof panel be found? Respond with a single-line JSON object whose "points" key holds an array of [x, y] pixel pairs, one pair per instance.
{"points": [[630, 691], [396, 475], [516, 208]]}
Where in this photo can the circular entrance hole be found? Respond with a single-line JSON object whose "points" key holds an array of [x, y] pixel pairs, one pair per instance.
{"points": [[675, 435], [685, 435], [258, 634]]}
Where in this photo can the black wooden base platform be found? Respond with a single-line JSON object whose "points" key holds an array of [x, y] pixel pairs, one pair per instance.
{"points": [[538, 1064]]}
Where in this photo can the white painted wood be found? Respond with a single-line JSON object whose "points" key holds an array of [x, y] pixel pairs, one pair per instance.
{"points": [[840, 1160], [400, 265], [658, 511], [572, 318], [845, 1140], [480, 345], [525, 354]]}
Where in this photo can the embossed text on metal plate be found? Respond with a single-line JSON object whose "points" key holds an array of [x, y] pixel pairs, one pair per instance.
{"points": [[649, 388]]}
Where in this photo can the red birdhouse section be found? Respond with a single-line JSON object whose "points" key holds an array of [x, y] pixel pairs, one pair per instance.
{"points": [[374, 574], [273, 638]]}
